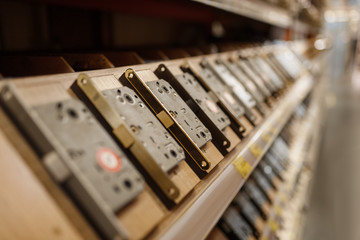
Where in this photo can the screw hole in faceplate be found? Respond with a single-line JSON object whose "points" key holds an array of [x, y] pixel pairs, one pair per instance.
{"points": [[129, 98], [116, 188], [72, 113], [127, 183], [173, 153], [166, 89]]}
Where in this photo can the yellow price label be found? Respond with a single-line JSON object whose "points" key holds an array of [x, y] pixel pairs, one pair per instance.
{"points": [[266, 137], [274, 226], [283, 197], [256, 150], [272, 129], [264, 238], [278, 210], [242, 166]]}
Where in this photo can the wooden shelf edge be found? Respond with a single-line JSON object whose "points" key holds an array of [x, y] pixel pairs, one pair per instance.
{"points": [[255, 10]]}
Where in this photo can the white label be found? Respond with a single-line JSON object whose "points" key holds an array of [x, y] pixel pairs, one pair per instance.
{"points": [[109, 160]]}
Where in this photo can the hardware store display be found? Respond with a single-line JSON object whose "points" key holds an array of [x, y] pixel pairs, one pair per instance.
{"points": [[162, 141], [157, 128]]}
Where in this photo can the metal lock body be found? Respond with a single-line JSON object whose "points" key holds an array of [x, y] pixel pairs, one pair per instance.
{"points": [[164, 149], [279, 84], [263, 180], [248, 84], [276, 156], [80, 155], [250, 212], [255, 194], [261, 74], [289, 61], [237, 87], [267, 170], [231, 105], [197, 93], [221, 90], [280, 149], [115, 109], [201, 103], [273, 61], [268, 173], [277, 167], [92, 150], [254, 77], [204, 100], [180, 111], [233, 220], [263, 183], [175, 115], [277, 68]]}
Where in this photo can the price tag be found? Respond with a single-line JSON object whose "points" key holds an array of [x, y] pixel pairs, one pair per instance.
{"points": [[272, 129], [274, 226], [256, 150], [266, 137], [283, 197], [242, 166], [278, 210]]}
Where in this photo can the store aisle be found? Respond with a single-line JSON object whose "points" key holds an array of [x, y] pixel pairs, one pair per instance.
{"points": [[334, 211]]}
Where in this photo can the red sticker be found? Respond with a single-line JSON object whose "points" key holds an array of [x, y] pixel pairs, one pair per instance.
{"points": [[109, 160], [229, 98], [212, 106]]}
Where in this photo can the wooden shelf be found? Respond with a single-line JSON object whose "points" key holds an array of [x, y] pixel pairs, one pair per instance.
{"points": [[257, 10]]}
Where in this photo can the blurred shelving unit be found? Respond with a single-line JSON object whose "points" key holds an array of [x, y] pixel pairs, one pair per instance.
{"points": [[257, 10]]}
